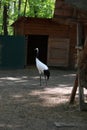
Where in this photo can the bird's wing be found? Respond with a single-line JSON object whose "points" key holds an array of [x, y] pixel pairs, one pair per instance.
{"points": [[41, 66]]}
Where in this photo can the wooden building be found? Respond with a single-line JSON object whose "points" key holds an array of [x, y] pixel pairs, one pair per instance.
{"points": [[56, 38]]}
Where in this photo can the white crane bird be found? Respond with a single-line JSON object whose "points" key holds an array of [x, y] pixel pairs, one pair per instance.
{"points": [[42, 68]]}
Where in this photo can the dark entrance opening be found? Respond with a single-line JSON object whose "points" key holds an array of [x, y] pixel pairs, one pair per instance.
{"points": [[35, 41]]}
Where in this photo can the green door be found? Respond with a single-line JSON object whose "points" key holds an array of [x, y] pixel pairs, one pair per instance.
{"points": [[12, 52]]}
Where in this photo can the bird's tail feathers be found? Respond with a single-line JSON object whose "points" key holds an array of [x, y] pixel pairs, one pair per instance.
{"points": [[47, 74]]}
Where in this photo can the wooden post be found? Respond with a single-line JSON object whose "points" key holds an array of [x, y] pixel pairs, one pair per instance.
{"points": [[78, 77], [77, 81], [72, 97], [79, 54]]}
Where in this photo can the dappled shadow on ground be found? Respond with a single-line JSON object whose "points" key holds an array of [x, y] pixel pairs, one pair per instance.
{"points": [[26, 105]]}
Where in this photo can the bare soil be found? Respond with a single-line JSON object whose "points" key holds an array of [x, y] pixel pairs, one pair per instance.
{"points": [[25, 105]]}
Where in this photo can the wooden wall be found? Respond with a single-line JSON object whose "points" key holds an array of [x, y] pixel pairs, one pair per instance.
{"points": [[58, 51], [58, 34], [63, 10]]}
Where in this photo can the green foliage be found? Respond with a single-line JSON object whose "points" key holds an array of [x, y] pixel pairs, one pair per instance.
{"points": [[31, 8], [41, 8]]}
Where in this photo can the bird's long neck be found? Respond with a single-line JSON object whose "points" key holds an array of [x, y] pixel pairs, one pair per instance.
{"points": [[37, 54]]}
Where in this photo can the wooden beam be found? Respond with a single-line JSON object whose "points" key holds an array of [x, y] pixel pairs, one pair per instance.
{"points": [[72, 97]]}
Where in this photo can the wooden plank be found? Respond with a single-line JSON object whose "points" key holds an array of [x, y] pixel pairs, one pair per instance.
{"points": [[58, 53]]}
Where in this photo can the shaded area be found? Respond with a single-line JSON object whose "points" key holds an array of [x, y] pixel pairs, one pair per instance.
{"points": [[26, 105], [37, 41], [81, 4]]}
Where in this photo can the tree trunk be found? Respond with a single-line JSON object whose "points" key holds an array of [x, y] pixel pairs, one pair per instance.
{"points": [[5, 21], [25, 7], [19, 8]]}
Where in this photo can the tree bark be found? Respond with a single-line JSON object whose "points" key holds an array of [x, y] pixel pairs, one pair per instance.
{"points": [[19, 8], [5, 21], [25, 7]]}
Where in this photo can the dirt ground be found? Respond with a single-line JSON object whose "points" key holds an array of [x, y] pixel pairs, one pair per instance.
{"points": [[24, 105]]}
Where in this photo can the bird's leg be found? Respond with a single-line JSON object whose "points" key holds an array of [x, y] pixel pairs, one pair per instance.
{"points": [[45, 80], [40, 79]]}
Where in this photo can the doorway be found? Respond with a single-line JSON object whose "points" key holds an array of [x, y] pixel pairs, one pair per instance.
{"points": [[37, 41]]}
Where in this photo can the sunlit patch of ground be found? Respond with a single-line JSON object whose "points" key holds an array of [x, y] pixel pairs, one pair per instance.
{"points": [[52, 96]]}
